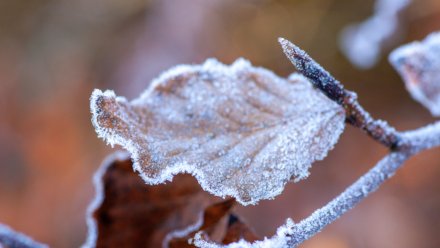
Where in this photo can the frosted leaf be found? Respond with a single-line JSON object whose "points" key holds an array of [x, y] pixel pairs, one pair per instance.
{"points": [[418, 63], [238, 230], [210, 222], [214, 228], [363, 43], [279, 240], [241, 131], [126, 212], [12, 239]]}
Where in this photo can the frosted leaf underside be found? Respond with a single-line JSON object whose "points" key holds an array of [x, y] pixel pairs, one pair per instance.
{"points": [[241, 131], [418, 63]]}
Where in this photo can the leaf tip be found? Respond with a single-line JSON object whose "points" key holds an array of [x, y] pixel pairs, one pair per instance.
{"points": [[102, 107], [97, 98]]}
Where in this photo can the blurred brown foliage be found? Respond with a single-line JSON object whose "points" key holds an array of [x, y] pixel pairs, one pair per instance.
{"points": [[53, 53], [130, 213]]}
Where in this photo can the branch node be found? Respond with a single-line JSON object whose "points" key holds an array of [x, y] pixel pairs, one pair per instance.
{"points": [[356, 115]]}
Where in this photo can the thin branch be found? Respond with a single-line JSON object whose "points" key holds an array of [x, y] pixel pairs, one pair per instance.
{"points": [[423, 138], [365, 185], [419, 140], [403, 145], [333, 89]]}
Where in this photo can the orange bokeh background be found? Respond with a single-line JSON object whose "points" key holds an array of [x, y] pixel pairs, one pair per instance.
{"points": [[53, 53]]}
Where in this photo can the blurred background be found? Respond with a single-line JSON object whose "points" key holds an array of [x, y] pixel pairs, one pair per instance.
{"points": [[53, 53]]}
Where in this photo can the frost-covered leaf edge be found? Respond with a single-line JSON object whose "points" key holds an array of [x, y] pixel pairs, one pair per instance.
{"points": [[279, 240], [210, 217], [113, 138], [406, 50], [92, 229]]}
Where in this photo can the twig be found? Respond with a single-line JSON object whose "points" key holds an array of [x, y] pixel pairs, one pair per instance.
{"points": [[333, 89], [403, 145], [420, 139], [365, 185], [423, 138]]}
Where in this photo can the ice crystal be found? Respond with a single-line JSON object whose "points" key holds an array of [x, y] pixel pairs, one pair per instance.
{"points": [[241, 131], [12, 239], [418, 63], [127, 212], [424, 138], [279, 240], [362, 43], [99, 198], [317, 75]]}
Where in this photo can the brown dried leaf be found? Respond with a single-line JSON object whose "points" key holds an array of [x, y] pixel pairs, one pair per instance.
{"points": [[129, 213], [12, 239], [418, 63], [281, 238], [212, 228], [238, 230], [240, 130], [209, 224]]}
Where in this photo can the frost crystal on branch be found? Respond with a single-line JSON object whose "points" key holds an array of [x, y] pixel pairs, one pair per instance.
{"points": [[240, 130], [418, 63], [280, 240], [12, 239], [324, 81], [126, 212], [319, 77]]}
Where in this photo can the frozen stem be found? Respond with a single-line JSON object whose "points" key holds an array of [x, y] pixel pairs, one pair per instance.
{"points": [[403, 145], [365, 185], [333, 89], [420, 139]]}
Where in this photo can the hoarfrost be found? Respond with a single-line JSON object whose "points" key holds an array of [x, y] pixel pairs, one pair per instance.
{"points": [[92, 235], [126, 212], [241, 131], [363, 43], [279, 240], [418, 63], [424, 138], [10, 239]]}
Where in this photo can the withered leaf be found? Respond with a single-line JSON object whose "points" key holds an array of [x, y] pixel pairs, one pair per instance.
{"points": [[129, 213], [238, 230], [418, 63], [12, 239], [209, 224], [211, 228], [241, 131], [280, 239]]}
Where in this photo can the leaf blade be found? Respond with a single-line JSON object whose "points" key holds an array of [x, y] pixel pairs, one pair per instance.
{"points": [[418, 63], [241, 131]]}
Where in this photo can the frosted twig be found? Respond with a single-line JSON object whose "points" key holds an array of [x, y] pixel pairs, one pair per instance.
{"points": [[418, 140], [403, 145], [333, 89], [423, 138], [11, 238], [347, 199], [292, 235]]}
